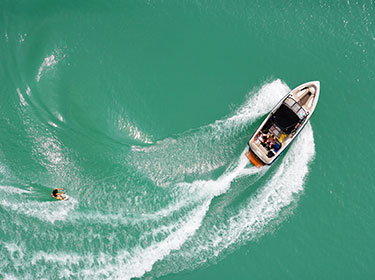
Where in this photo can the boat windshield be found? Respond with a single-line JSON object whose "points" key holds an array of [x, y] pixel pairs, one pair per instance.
{"points": [[285, 118]]}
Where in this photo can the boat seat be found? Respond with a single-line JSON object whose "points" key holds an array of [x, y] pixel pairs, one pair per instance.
{"points": [[309, 102], [301, 93], [276, 146], [305, 98]]}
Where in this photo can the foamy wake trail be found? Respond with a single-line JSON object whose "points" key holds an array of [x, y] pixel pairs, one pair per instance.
{"points": [[186, 242], [207, 148], [198, 152], [279, 192], [138, 260], [191, 230], [255, 217], [198, 193]]}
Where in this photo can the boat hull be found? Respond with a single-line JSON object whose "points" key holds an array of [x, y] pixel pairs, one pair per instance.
{"points": [[254, 159], [283, 124]]}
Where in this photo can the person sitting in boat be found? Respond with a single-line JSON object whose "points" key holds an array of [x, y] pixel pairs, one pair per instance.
{"points": [[56, 194], [261, 137], [268, 142], [272, 142], [266, 139]]}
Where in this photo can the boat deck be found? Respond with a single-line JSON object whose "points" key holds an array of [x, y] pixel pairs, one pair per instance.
{"points": [[283, 124]]}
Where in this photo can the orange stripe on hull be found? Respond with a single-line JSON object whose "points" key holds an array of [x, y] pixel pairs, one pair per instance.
{"points": [[254, 159]]}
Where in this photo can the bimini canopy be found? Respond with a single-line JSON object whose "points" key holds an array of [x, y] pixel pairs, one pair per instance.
{"points": [[285, 118], [295, 107]]}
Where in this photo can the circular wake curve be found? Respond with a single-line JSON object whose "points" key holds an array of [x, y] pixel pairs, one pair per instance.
{"points": [[207, 148], [191, 220]]}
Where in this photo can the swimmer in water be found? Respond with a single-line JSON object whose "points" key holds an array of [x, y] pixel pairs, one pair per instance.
{"points": [[56, 194]]}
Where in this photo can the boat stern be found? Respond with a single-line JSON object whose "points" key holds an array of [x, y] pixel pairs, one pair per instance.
{"points": [[254, 159]]}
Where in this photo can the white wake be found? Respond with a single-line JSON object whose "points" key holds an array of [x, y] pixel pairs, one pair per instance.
{"points": [[193, 228]]}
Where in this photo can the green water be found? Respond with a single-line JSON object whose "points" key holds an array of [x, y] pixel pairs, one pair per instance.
{"points": [[142, 111]]}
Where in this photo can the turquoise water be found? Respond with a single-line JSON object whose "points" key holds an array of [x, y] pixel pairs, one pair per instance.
{"points": [[141, 111]]}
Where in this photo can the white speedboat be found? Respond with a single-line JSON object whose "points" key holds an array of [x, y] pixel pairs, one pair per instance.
{"points": [[283, 124]]}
